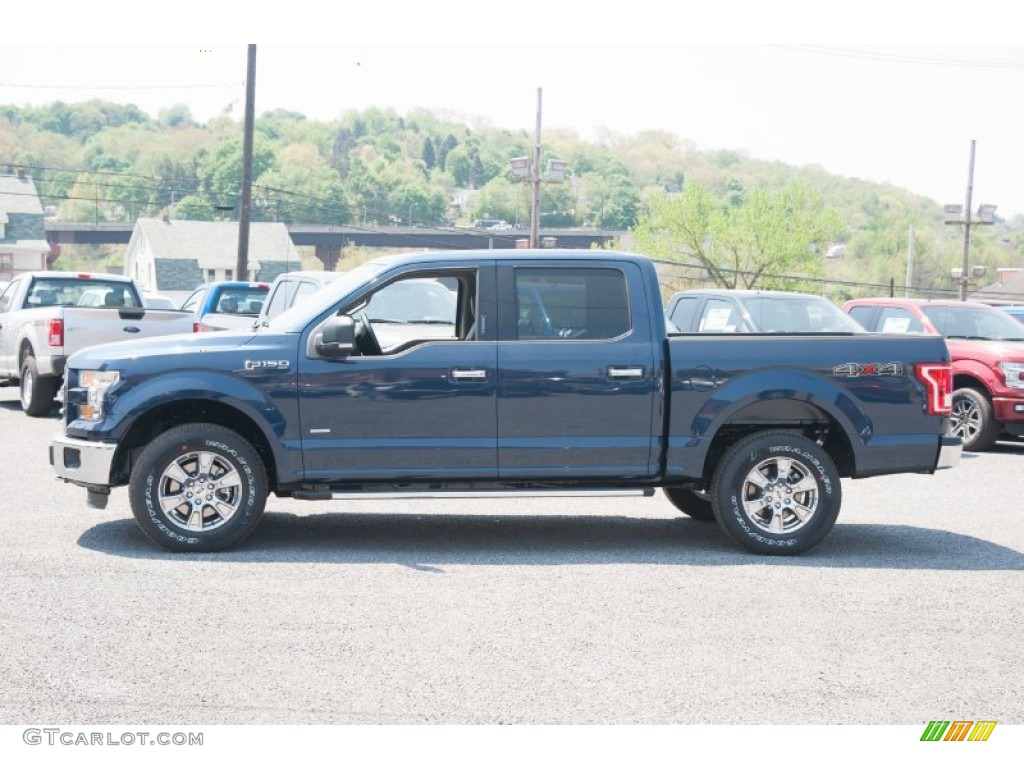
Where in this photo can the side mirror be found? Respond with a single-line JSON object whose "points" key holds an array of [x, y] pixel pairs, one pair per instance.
{"points": [[337, 337]]}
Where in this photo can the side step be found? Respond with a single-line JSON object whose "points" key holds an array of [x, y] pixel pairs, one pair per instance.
{"points": [[511, 493]]}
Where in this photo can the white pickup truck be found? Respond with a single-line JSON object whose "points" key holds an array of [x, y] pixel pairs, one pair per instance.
{"points": [[47, 316]]}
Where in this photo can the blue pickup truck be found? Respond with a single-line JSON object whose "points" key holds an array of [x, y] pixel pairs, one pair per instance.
{"points": [[555, 376]]}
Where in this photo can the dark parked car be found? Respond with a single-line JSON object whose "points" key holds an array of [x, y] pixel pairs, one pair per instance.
{"points": [[739, 311]]}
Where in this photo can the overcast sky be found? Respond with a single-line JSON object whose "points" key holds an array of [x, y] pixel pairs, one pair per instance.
{"points": [[885, 102]]}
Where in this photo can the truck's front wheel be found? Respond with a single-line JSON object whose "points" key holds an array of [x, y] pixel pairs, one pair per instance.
{"points": [[37, 392], [198, 488], [776, 493]]}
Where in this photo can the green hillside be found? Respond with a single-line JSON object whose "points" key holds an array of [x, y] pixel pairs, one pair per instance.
{"points": [[100, 161]]}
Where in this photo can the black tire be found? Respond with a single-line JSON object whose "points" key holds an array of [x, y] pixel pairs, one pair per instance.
{"points": [[972, 420], [792, 505], [696, 504], [219, 467], [37, 392]]}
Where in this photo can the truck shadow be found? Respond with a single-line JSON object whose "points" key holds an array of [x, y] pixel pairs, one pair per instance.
{"points": [[15, 406], [430, 542]]}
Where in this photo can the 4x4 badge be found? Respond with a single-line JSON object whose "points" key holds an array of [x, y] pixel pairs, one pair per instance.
{"points": [[853, 370]]}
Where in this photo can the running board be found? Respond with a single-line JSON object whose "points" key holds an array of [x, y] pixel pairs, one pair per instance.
{"points": [[520, 493]]}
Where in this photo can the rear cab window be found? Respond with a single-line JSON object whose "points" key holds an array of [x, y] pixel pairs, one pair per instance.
{"points": [[570, 303]]}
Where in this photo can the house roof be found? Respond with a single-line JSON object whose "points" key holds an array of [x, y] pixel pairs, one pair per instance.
{"points": [[19, 195], [1009, 290], [214, 244]]}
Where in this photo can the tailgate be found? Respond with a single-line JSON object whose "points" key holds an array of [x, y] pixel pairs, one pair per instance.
{"points": [[87, 327]]}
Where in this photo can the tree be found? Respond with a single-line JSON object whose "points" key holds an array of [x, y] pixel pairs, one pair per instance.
{"points": [[768, 234], [429, 156], [220, 175], [458, 164], [194, 208]]}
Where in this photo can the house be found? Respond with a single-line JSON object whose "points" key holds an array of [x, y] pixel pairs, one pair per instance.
{"points": [[172, 256], [1008, 289], [23, 246]]}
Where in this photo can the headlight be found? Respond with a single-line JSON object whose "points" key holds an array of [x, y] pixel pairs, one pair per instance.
{"points": [[1013, 373], [96, 384]]}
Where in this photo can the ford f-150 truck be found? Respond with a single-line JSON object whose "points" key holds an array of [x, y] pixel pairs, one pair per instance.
{"points": [[754, 431], [47, 316]]}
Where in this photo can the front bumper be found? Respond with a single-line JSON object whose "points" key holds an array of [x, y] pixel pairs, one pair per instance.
{"points": [[950, 449], [82, 462]]}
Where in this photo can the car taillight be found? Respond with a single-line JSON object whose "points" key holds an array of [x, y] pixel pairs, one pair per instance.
{"points": [[202, 328], [55, 332], [938, 383]]}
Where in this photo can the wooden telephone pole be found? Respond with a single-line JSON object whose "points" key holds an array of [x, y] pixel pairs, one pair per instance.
{"points": [[245, 212]]}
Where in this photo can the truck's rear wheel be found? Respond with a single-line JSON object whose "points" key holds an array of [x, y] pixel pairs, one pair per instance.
{"points": [[198, 488], [696, 504], [37, 392], [972, 420], [776, 493]]}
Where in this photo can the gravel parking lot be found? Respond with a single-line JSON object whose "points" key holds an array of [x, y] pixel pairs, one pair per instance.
{"points": [[519, 611]]}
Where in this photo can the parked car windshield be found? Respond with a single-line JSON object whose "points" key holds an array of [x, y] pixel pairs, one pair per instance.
{"points": [[799, 313], [295, 317], [968, 322]]}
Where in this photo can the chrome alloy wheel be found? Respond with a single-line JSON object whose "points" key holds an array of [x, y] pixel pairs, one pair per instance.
{"points": [[780, 495], [965, 421], [199, 491]]}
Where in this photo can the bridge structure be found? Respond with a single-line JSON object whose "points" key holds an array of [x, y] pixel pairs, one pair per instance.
{"points": [[329, 241]]}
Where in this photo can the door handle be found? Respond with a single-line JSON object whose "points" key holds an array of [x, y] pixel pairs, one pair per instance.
{"points": [[469, 374], [626, 372]]}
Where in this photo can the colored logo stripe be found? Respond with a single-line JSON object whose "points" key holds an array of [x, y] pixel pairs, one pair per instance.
{"points": [[982, 730], [958, 730]]}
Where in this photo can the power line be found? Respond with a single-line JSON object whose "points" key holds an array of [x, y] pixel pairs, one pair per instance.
{"points": [[859, 53], [122, 87]]}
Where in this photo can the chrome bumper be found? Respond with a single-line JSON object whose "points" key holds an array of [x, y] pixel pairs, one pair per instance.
{"points": [[82, 462], [950, 449]]}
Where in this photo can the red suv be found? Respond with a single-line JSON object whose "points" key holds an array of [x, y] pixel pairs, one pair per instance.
{"points": [[987, 349]]}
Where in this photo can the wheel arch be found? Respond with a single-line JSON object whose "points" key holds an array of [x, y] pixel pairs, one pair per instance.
{"points": [[25, 349], [965, 380], [168, 415], [796, 416]]}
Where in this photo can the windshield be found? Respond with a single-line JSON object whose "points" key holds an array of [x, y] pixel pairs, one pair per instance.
{"points": [[296, 317], [241, 301], [798, 313], [972, 322]]}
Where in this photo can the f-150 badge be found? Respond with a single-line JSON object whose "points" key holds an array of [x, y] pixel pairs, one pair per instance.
{"points": [[854, 370], [267, 365]]}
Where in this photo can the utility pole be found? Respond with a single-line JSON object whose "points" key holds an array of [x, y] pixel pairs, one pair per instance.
{"points": [[910, 263], [964, 269], [986, 215], [245, 213], [535, 184]]}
